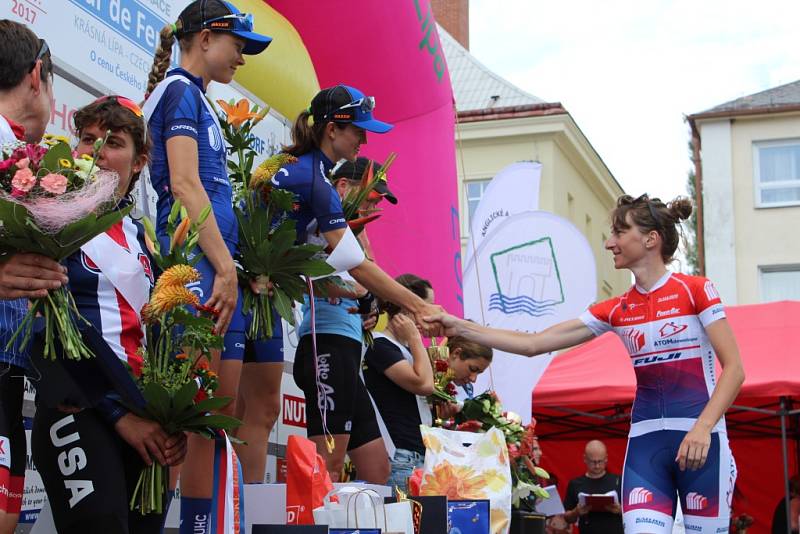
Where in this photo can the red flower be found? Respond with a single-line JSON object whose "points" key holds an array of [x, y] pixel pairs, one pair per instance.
{"points": [[450, 389], [472, 425], [441, 366], [206, 309], [200, 396], [7, 164]]}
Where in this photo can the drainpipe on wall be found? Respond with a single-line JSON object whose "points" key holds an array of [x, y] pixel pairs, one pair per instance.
{"points": [[698, 197]]}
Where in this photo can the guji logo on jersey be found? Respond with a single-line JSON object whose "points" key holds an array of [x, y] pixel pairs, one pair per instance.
{"points": [[527, 279], [640, 496], [696, 501], [671, 329], [633, 340]]}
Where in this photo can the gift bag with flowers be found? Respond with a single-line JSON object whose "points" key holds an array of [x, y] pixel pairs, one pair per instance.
{"points": [[485, 412]]}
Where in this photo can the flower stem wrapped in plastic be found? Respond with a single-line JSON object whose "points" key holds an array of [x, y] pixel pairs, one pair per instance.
{"points": [[52, 203]]}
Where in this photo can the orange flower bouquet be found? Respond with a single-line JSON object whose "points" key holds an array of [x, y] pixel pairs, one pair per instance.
{"points": [[176, 381]]}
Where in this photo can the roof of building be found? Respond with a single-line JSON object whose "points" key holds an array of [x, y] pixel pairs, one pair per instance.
{"points": [[474, 85], [787, 95]]}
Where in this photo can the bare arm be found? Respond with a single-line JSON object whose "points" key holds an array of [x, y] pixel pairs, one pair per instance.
{"points": [[372, 277], [416, 378], [557, 337], [694, 448], [186, 186]]}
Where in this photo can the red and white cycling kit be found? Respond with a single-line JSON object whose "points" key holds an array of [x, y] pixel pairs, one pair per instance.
{"points": [[664, 331]]}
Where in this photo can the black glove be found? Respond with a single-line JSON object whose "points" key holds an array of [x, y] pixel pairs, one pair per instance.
{"points": [[365, 303]]}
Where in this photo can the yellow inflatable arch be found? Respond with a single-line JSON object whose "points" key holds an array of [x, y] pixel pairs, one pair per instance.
{"points": [[283, 76]]}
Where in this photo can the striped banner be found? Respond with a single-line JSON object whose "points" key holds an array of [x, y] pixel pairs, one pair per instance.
{"points": [[227, 500]]}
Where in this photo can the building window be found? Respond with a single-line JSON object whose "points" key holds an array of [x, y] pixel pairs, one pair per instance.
{"points": [[780, 282], [777, 173], [473, 191]]}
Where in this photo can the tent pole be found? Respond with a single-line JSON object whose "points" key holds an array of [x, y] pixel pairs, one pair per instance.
{"points": [[785, 466]]}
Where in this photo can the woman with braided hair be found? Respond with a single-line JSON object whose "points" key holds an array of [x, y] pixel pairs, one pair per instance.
{"points": [[189, 164], [672, 325]]}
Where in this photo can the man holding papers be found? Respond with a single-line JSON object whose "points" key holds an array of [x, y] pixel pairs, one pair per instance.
{"points": [[593, 499]]}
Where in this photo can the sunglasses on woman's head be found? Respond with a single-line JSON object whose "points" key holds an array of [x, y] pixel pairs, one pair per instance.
{"points": [[128, 104], [653, 213]]}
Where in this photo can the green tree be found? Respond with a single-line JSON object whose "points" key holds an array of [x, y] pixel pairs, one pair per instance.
{"points": [[690, 226]]}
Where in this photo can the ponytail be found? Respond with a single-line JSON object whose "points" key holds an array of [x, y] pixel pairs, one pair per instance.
{"points": [[163, 54], [305, 136]]}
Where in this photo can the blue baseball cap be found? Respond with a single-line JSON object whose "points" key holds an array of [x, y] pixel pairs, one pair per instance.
{"points": [[233, 21], [343, 103]]}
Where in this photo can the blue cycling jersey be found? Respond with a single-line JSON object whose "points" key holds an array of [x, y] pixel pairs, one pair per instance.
{"points": [[317, 199], [181, 111]]}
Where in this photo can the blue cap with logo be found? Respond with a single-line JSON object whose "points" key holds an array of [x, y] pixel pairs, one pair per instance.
{"points": [[343, 103], [233, 21]]}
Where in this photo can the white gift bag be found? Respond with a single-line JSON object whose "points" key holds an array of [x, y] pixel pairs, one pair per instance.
{"points": [[360, 508]]}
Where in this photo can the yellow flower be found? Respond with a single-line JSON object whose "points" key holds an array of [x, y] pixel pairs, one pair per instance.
{"points": [[169, 297], [237, 113], [64, 163], [177, 275], [454, 481], [269, 167]]}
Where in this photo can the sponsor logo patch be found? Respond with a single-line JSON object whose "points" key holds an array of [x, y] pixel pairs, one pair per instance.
{"points": [[633, 340], [640, 496], [696, 501]]}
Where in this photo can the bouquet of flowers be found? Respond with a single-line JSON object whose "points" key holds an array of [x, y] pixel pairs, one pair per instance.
{"points": [[51, 203], [270, 261], [176, 381], [444, 390], [355, 214], [485, 411]]}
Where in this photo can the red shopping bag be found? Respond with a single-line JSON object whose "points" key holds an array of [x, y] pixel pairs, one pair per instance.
{"points": [[307, 481]]}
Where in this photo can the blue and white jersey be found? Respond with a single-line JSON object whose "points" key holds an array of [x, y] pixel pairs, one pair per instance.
{"points": [[317, 199], [111, 278], [181, 109]]}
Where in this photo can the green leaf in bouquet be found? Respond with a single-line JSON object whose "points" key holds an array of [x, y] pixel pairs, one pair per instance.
{"points": [[70, 239], [283, 304], [158, 400], [174, 212], [282, 199], [212, 404], [58, 151], [213, 421], [184, 397]]}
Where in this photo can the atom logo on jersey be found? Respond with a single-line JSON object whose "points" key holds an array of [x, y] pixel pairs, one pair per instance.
{"points": [[633, 340], [640, 496], [696, 501], [671, 329]]}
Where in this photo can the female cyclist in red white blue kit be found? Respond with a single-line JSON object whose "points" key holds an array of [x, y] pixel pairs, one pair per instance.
{"points": [[673, 325]]}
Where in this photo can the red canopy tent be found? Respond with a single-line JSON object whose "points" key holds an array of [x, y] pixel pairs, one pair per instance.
{"points": [[587, 392]]}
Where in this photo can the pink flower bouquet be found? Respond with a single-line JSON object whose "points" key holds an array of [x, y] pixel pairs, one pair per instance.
{"points": [[51, 203]]}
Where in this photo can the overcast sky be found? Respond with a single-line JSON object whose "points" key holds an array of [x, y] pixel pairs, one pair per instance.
{"points": [[628, 71]]}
